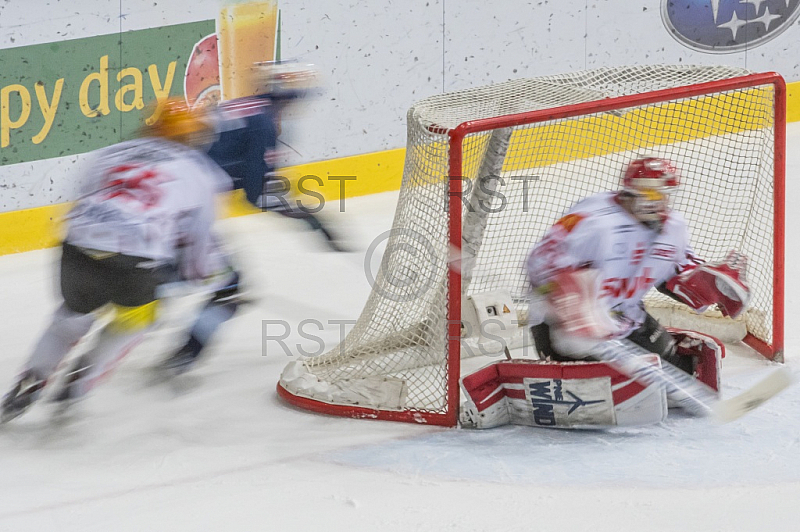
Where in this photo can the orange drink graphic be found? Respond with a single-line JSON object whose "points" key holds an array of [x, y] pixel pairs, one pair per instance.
{"points": [[247, 34]]}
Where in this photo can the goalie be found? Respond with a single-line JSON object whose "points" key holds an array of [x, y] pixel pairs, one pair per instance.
{"points": [[594, 266]]}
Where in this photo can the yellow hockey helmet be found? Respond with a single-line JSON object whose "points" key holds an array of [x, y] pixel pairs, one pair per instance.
{"points": [[180, 123]]}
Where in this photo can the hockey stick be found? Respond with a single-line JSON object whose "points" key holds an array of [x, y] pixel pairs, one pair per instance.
{"points": [[689, 393], [747, 401]]}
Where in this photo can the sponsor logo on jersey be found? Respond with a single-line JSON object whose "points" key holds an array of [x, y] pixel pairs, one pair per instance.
{"points": [[626, 287], [546, 395], [663, 251], [723, 26]]}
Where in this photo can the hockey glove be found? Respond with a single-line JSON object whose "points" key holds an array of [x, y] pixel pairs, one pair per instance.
{"points": [[572, 298], [723, 283]]}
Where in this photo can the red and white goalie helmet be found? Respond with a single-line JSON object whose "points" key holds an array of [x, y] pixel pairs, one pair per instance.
{"points": [[650, 180], [650, 173]]}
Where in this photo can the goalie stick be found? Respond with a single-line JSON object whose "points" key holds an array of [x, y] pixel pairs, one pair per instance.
{"points": [[747, 401], [685, 390]]}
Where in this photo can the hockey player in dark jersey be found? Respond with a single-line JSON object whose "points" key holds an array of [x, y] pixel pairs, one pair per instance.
{"points": [[247, 140], [247, 132]]}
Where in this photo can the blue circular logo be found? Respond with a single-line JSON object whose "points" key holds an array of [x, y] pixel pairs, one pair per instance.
{"points": [[725, 26]]}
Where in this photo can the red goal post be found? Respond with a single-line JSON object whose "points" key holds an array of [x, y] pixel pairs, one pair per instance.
{"points": [[543, 144]]}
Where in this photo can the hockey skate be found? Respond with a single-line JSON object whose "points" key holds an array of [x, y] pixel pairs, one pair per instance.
{"points": [[181, 360], [24, 393], [333, 241], [68, 394]]}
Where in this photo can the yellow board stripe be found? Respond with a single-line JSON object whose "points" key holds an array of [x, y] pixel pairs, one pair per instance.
{"points": [[30, 229], [630, 134], [358, 175], [38, 228], [793, 102]]}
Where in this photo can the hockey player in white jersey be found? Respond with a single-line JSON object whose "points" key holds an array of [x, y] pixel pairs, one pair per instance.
{"points": [[144, 218], [594, 266]]}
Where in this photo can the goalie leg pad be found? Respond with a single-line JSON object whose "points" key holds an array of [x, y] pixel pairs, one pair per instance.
{"points": [[706, 353], [559, 394]]}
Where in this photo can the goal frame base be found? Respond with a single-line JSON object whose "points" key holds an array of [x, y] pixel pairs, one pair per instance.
{"points": [[361, 412]]}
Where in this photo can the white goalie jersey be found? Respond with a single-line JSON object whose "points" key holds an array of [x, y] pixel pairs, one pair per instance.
{"points": [[629, 257], [150, 198]]}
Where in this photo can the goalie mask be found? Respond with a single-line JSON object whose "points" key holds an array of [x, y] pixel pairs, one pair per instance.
{"points": [[649, 182]]}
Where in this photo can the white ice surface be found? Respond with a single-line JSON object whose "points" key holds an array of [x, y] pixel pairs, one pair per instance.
{"points": [[219, 451]]}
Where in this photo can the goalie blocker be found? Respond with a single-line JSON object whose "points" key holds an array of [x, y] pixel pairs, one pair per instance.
{"points": [[578, 394]]}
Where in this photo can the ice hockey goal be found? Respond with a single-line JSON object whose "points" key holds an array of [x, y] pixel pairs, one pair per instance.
{"points": [[488, 169]]}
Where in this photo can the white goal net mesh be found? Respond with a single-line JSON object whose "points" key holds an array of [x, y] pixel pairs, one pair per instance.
{"points": [[395, 357]]}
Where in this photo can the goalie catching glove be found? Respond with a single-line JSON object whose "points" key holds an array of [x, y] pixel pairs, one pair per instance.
{"points": [[723, 283]]}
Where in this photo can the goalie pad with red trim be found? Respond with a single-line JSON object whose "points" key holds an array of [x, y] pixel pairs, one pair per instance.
{"points": [[581, 394], [559, 394], [706, 351], [723, 284]]}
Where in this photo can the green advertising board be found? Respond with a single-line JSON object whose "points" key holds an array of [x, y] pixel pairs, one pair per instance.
{"points": [[78, 95]]}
